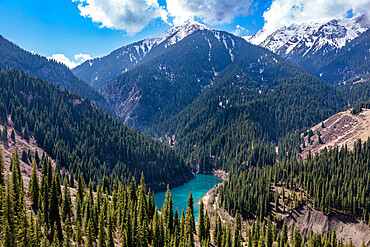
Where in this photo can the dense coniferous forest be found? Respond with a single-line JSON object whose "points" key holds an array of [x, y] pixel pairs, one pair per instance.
{"points": [[81, 137], [350, 61], [12, 56], [233, 122], [336, 180], [51, 214]]}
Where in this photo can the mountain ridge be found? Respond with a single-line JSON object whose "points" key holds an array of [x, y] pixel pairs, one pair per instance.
{"points": [[314, 45], [100, 70], [12, 56]]}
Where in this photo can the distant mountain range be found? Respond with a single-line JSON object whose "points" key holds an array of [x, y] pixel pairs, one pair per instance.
{"points": [[158, 77], [200, 89], [315, 46], [98, 71], [12, 56]]}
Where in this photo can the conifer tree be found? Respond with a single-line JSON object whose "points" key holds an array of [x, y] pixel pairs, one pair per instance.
{"points": [[24, 232], [12, 135], [269, 235], [201, 222], [67, 242], [110, 230], [79, 233], [34, 187], [2, 168], [167, 210], [67, 201], [16, 184], [4, 136], [37, 158], [89, 235], [56, 229], [190, 213], [189, 222], [284, 234], [101, 228]]}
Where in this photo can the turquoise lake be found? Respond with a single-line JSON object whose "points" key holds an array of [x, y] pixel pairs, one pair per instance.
{"points": [[199, 186]]}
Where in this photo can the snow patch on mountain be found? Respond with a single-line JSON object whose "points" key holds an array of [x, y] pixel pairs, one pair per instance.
{"points": [[311, 37]]}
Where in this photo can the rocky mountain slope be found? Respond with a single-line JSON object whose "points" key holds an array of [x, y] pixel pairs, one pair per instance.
{"points": [[170, 81], [313, 46], [342, 128], [97, 72]]}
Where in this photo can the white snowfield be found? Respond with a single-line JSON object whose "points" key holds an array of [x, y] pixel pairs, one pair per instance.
{"points": [[311, 37]]}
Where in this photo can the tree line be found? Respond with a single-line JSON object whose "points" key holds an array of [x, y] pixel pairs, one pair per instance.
{"points": [[80, 136]]}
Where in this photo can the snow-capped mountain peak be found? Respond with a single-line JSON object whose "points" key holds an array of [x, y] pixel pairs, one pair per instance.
{"points": [[312, 37], [175, 34], [99, 70]]}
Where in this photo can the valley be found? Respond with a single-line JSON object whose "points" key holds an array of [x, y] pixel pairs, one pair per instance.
{"points": [[192, 137]]}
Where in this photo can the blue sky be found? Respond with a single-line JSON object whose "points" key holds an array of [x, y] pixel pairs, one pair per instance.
{"points": [[50, 27], [96, 27]]}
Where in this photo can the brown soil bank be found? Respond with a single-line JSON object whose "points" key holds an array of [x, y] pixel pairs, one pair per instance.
{"points": [[342, 128], [348, 228]]}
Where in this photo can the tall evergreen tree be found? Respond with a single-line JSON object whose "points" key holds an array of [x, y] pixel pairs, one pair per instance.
{"points": [[2, 168], [102, 238], [56, 227], [67, 201], [201, 222], [34, 187]]}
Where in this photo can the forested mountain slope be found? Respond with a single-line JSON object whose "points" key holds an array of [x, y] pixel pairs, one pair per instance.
{"points": [[352, 60], [327, 50], [99, 71], [81, 137], [258, 100], [12, 56], [167, 83]]}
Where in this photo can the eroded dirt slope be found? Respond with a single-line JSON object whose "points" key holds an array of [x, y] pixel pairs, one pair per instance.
{"points": [[342, 128], [346, 227]]}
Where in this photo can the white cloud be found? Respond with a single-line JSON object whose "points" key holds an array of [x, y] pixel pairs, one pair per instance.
{"points": [[284, 12], [82, 57], [239, 30], [209, 11], [63, 59], [129, 15]]}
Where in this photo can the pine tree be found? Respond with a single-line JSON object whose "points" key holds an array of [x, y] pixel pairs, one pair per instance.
{"points": [[2, 168], [34, 187], [79, 233], [269, 235], [56, 230], [284, 234], [201, 222], [67, 202], [33, 238], [37, 158], [80, 196], [24, 232], [4, 136], [167, 210], [101, 228], [24, 156], [16, 184], [67, 233], [190, 212], [217, 236], [110, 230], [89, 235], [12, 135], [189, 222]]}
